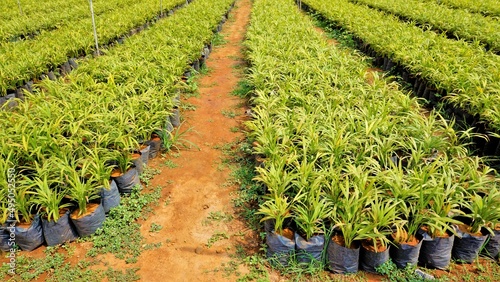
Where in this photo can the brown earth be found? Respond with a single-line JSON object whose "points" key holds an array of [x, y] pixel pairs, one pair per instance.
{"points": [[372, 73], [90, 209], [369, 246], [196, 186], [406, 239]]}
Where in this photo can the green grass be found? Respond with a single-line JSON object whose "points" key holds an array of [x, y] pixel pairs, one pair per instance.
{"points": [[392, 273], [120, 233], [218, 216], [216, 237], [187, 106], [229, 113], [174, 154], [155, 228], [153, 246], [243, 90], [190, 88], [169, 164], [342, 36], [167, 201], [148, 174], [204, 70], [218, 40]]}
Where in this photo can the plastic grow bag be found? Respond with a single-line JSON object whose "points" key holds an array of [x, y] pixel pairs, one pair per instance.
{"points": [[175, 118], [89, 223], [370, 260], [168, 125], [436, 252], [4, 238], [279, 248], [154, 147], [404, 254], [342, 260], [466, 246], [138, 164], [269, 225], [127, 181], [59, 232], [31, 237], [309, 250], [145, 154], [110, 198], [492, 246]]}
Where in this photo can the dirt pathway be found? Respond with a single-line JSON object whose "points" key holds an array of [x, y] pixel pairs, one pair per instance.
{"points": [[197, 236]]}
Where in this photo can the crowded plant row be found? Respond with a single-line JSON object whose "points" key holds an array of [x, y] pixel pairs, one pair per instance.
{"points": [[487, 7], [10, 9], [63, 143], [26, 60], [29, 24], [460, 23], [469, 75], [347, 154]]}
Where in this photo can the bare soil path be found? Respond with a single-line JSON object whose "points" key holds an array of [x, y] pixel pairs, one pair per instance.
{"points": [[197, 236]]}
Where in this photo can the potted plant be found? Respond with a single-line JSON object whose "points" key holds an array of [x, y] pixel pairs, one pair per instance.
{"points": [[136, 159], [88, 216], [492, 246], [482, 211], [28, 228], [439, 232], [100, 168], [380, 218], [406, 238], [144, 149], [343, 248], [279, 238], [155, 144], [309, 216], [276, 211], [124, 174], [413, 209], [48, 196]]}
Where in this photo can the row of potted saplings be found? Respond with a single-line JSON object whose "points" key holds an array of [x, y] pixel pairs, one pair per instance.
{"points": [[406, 240], [67, 215]]}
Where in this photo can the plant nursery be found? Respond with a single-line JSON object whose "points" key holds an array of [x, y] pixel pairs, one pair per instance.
{"points": [[363, 140]]}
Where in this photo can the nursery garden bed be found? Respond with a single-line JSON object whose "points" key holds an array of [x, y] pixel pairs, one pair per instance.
{"points": [[32, 17], [461, 102], [455, 23], [30, 59], [354, 167]]}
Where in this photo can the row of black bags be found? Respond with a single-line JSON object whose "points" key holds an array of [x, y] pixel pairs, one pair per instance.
{"points": [[70, 227], [429, 252]]}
